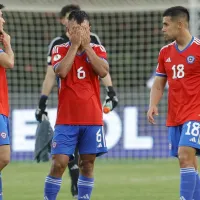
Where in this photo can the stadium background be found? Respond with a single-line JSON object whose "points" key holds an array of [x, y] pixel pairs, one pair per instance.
{"points": [[131, 33]]}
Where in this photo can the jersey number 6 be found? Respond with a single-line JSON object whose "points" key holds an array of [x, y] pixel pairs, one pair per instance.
{"points": [[81, 73]]}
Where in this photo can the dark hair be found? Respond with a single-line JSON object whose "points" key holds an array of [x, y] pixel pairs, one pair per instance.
{"points": [[177, 11], [67, 9], [2, 6], [79, 16]]}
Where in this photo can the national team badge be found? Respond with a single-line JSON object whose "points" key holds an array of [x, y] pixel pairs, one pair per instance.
{"points": [[3, 135], [54, 144], [190, 59]]}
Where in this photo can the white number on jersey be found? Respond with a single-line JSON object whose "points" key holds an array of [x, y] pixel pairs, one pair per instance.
{"points": [[178, 71], [81, 73], [194, 130]]}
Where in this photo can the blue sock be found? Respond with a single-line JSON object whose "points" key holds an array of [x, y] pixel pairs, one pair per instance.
{"points": [[196, 195], [1, 194], [188, 182], [52, 187], [85, 186]]}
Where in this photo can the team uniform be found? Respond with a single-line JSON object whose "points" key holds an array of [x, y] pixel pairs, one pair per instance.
{"points": [[64, 39], [4, 108], [182, 69], [79, 115]]}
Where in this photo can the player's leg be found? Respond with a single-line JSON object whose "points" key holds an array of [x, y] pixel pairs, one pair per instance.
{"points": [[188, 147], [86, 177], [187, 172], [63, 146], [196, 194], [74, 174], [4, 146], [91, 144]]}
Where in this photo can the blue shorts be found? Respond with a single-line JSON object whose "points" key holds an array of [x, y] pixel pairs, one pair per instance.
{"points": [[187, 134], [88, 140], [4, 130]]}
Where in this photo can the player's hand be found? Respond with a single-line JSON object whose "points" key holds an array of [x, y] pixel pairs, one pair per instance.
{"points": [[5, 39], [75, 35], [40, 112], [85, 37], [111, 99], [153, 110]]}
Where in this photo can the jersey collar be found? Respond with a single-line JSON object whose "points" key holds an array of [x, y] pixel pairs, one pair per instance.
{"points": [[180, 51]]}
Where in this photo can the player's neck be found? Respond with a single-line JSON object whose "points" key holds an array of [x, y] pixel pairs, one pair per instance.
{"points": [[80, 50], [183, 40]]}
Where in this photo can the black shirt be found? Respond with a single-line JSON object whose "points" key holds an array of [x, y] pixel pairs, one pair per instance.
{"points": [[64, 39]]}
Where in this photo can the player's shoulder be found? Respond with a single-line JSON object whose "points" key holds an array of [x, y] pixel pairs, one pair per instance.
{"points": [[98, 47], [196, 41], [167, 47], [95, 38], [58, 40], [61, 47]]}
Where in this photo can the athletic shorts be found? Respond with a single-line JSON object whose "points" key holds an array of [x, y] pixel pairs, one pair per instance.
{"points": [[88, 140], [4, 130], [184, 135]]}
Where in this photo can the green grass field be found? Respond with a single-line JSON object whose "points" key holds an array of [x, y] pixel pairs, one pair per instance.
{"points": [[114, 180]]}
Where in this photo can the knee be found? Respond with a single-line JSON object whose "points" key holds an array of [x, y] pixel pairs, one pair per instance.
{"points": [[58, 167], [4, 162], [185, 160], [86, 167]]}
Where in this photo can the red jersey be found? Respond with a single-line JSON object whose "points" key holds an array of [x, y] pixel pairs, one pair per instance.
{"points": [[4, 104], [182, 69], [79, 92]]}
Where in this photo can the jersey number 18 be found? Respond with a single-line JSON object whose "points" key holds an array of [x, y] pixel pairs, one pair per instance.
{"points": [[178, 71]]}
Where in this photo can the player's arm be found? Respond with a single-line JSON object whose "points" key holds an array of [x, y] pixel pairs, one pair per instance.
{"points": [[100, 66], [64, 66], [111, 99], [157, 88], [47, 86], [49, 81], [6, 56], [155, 97]]}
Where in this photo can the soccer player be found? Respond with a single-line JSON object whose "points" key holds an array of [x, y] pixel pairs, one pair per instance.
{"points": [[49, 82], [6, 62], [79, 64], [179, 64]]}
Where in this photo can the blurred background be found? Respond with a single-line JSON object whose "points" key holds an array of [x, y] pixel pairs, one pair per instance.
{"points": [[130, 30]]}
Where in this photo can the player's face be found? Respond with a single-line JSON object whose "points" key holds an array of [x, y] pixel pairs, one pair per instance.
{"points": [[64, 20], [170, 29], [2, 21]]}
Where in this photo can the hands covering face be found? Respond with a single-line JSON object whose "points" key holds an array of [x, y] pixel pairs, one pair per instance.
{"points": [[79, 35]]}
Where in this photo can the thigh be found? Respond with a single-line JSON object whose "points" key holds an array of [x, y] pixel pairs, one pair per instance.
{"points": [[174, 134], [190, 136], [92, 140], [4, 130], [64, 140]]}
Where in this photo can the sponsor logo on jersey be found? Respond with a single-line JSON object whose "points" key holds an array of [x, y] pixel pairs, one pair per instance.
{"points": [[168, 60], [3, 135], [56, 57], [190, 59]]}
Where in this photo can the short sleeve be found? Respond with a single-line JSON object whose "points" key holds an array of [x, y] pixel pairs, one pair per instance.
{"points": [[58, 53], [160, 70], [100, 51]]}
